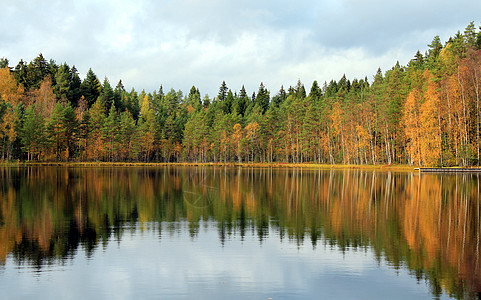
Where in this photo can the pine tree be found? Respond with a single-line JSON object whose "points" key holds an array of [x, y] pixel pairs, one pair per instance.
{"points": [[75, 92], [56, 130], [126, 136], [96, 123], [118, 94], [38, 69], [262, 99], [222, 92], [32, 134], [71, 130], [62, 78], [91, 87], [107, 95], [110, 130]]}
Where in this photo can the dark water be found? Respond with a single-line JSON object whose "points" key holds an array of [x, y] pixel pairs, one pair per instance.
{"points": [[217, 233]]}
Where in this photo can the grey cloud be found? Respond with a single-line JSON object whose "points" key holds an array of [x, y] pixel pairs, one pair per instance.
{"points": [[380, 25], [192, 42]]}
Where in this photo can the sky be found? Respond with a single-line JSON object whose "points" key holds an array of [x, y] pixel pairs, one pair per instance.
{"points": [[178, 44]]}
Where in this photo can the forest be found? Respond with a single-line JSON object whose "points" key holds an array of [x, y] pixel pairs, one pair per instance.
{"points": [[426, 113]]}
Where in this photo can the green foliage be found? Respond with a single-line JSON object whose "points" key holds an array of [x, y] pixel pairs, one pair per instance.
{"points": [[110, 130], [62, 78], [33, 133], [344, 121], [107, 95], [262, 99], [3, 62], [56, 131], [91, 87]]}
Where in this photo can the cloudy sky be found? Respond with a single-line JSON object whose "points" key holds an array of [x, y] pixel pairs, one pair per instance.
{"points": [[191, 42]]}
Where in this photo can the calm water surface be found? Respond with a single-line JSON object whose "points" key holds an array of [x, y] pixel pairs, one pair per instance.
{"points": [[216, 233]]}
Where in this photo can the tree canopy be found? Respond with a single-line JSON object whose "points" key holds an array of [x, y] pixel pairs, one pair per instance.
{"points": [[425, 113]]}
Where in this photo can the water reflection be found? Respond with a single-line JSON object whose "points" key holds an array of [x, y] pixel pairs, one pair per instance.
{"points": [[427, 223]]}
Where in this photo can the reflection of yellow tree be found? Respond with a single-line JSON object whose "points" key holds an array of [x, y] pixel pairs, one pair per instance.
{"points": [[428, 223]]}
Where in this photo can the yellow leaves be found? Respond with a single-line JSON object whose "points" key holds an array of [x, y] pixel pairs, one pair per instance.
{"points": [[445, 54], [237, 135], [236, 139], [190, 109], [363, 137], [7, 126], [45, 98], [411, 123], [251, 130], [144, 109], [336, 117], [81, 108], [430, 135], [9, 90], [421, 125]]}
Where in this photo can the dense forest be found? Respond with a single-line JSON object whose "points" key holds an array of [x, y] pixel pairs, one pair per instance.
{"points": [[426, 113]]}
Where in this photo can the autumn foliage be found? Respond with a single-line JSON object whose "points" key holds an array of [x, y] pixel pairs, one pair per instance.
{"points": [[426, 113]]}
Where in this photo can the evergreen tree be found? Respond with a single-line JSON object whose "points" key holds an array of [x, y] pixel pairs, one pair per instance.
{"points": [[262, 99], [38, 69], [75, 87], [21, 73], [193, 99], [62, 78], [126, 136], [91, 87], [56, 130], [228, 102], [118, 94], [96, 123], [32, 134], [315, 93], [110, 129], [133, 104], [107, 95], [279, 98], [3, 62], [71, 130], [222, 92]]}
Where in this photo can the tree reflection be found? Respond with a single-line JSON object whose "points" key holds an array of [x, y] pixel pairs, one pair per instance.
{"points": [[427, 223]]}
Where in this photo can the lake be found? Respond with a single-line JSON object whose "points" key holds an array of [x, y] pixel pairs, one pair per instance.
{"points": [[257, 233]]}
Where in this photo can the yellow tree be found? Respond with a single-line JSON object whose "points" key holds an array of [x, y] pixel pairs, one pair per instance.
{"points": [[237, 136], [337, 130], [11, 92], [251, 131], [8, 132], [363, 138], [430, 132], [457, 113], [44, 98], [411, 126], [145, 106]]}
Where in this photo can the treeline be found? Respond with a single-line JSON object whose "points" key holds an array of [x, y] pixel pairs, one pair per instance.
{"points": [[426, 113]]}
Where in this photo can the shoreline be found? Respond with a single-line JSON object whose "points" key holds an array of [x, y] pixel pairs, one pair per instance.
{"points": [[189, 164]]}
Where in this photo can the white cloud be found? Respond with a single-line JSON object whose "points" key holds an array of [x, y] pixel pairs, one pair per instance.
{"points": [[191, 42]]}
